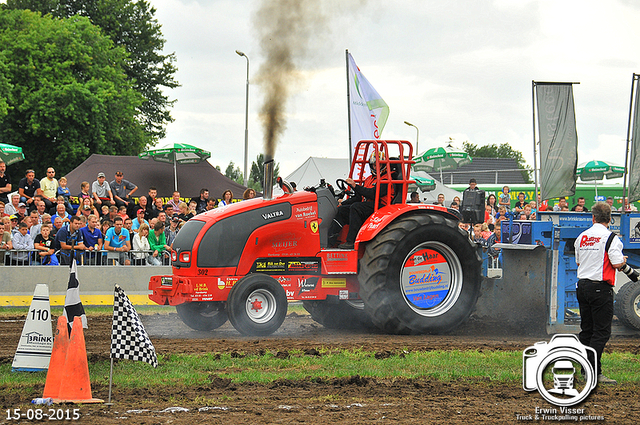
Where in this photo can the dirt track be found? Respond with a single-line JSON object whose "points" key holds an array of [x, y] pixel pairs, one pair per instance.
{"points": [[349, 401]]}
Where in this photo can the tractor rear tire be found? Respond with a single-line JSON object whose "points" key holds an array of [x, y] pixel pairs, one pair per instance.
{"points": [[257, 305], [421, 274], [627, 305], [340, 315], [202, 316]]}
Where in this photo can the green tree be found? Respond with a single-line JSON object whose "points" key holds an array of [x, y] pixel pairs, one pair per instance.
{"points": [[502, 151], [256, 176], [233, 172], [69, 96], [130, 24]]}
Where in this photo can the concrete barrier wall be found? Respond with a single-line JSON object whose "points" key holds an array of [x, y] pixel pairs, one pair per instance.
{"points": [[96, 283]]}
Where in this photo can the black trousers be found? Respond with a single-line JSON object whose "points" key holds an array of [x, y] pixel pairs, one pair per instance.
{"points": [[354, 215], [596, 313]]}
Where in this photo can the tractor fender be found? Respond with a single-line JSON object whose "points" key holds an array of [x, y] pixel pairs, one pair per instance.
{"points": [[385, 216]]}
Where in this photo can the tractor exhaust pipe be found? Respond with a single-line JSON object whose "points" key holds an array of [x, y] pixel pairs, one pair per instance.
{"points": [[267, 190]]}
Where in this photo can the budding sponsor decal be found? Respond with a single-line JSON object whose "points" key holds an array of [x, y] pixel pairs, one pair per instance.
{"points": [[589, 240], [305, 212], [426, 278]]}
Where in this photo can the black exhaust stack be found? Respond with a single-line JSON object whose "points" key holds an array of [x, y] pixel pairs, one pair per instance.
{"points": [[267, 190]]}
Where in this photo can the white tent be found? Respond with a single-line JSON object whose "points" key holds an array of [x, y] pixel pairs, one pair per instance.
{"points": [[314, 169], [331, 169]]}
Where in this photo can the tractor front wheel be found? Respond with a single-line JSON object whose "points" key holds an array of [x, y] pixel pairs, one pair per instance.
{"points": [[257, 305], [421, 274], [202, 316]]}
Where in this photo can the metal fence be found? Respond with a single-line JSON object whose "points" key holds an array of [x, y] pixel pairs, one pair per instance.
{"points": [[23, 257]]}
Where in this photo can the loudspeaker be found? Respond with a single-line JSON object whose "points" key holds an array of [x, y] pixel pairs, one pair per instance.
{"points": [[473, 206]]}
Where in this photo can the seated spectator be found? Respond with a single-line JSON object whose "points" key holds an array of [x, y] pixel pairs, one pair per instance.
{"points": [[128, 224], [250, 194], [61, 212], [440, 200], [171, 232], [84, 192], [492, 250], [562, 202], [519, 207], [57, 225], [175, 200], [24, 243], [580, 206], [122, 191], [44, 244], [69, 240], [104, 226], [139, 220], [192, 208], [5, 238], [122, 212], [33, 223], [489, 218], [158, 207], [454, 205], [502, 214], [22, 211], [202, 201], [227, 198], [117, 240], [526, 213], [505, 198], [104, 212], [211, 204], [93, 240], [141, 246], [414, 198], [492, 203], [113, 212], [28, 187], [101, 191], [143, 202], [85, 212], [534, 206], [457, 200], [477, 234], [628, 206], [485, 231], [158, 244], [87, 203], [49, 187], [12, 208], [184, 213], [542, 205], [64, 191], [14, 224], [41, 209], [168, 209], [153, 222], [163, 218], [2, 214], [610, 203]]}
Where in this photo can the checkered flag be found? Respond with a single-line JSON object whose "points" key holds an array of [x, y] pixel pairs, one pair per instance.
{"points": [[129, 340]]}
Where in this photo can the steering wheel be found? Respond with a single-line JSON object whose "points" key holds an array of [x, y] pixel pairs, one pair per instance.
{"points": [[344, 188]]}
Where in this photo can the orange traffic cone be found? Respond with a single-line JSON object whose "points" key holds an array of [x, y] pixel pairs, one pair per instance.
{"points": [[56, 364], [76, 386]]}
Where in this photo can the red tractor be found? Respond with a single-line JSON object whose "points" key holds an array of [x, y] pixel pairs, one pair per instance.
{"points": [[412, 269]]}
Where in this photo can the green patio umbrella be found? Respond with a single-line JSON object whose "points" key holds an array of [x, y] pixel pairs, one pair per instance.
{"points": [[176, 153], [441, 158], [597, 170], [424, 184], [10, 154]]}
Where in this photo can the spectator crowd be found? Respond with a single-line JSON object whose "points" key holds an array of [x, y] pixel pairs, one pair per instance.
{"points": [[39, 224]]}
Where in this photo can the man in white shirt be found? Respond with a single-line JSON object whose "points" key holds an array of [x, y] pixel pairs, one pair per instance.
{"points": [[599, 256]]}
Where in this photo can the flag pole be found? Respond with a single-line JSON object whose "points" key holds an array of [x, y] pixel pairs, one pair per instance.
{"points": [[110, 382], [348, 107], [626, 152], [535, 151]]}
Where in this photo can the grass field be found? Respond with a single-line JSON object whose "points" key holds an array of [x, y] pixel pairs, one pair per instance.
{"points": [[194, 370]]}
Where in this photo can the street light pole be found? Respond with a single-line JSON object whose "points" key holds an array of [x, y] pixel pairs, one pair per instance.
{"points": [[417, 134], [246, 123]]}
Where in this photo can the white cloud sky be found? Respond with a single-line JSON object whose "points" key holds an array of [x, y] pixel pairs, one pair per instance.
{"points": [[458, 68]]}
